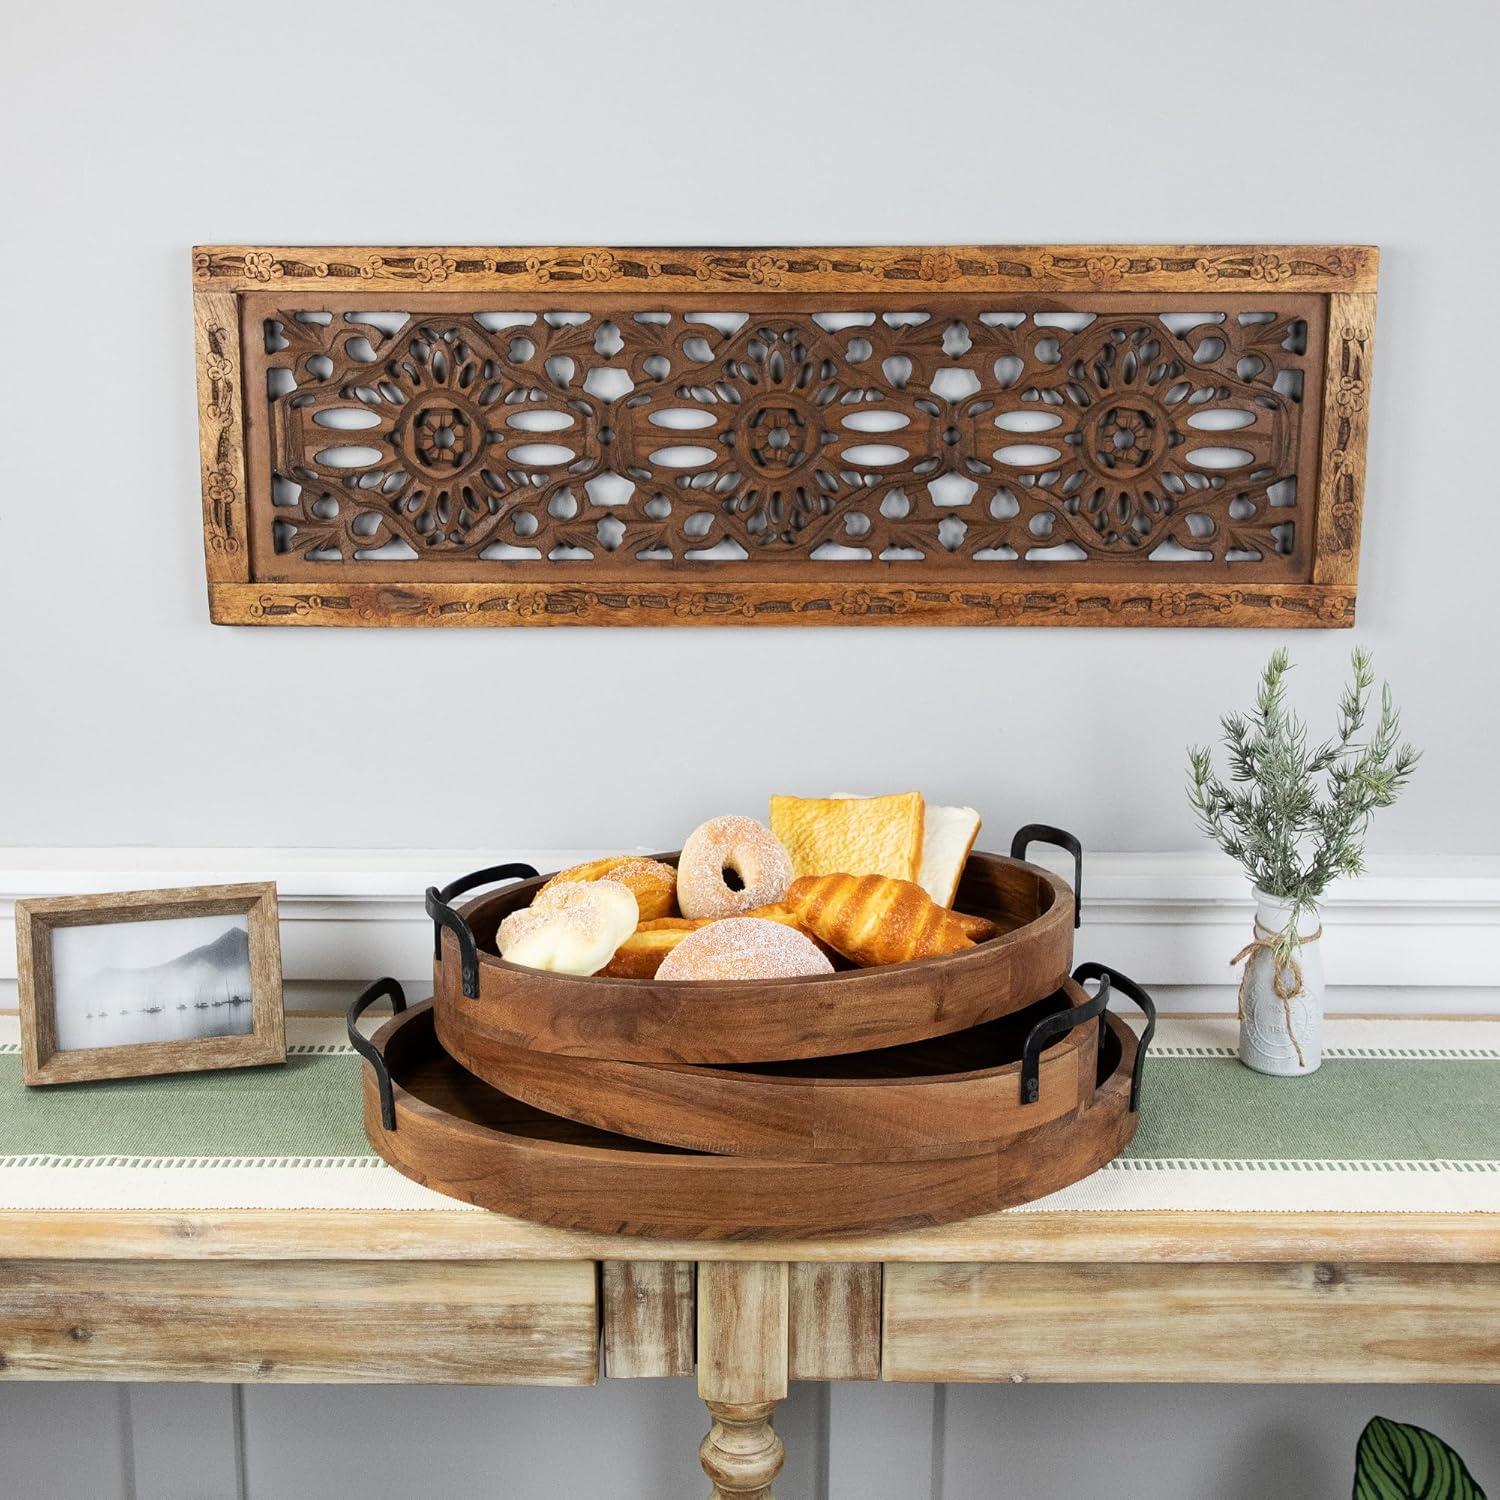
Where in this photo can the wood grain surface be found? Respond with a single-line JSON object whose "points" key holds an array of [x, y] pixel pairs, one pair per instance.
{"points": [[484, 1322], [742, 1374], [1077, 1238], [649, 1318], [834, 1321], [950, 1096], [1324, 1321], [646, 1021], [457, 1135]]}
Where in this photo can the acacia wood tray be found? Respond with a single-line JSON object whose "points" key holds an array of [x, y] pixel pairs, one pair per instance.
{"points": [[948, 1096], [643, 1021], [438, 1124]]}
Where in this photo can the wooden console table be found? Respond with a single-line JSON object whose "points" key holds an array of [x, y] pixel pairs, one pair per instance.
{"points": [[248, 1263], [476, 1298]]}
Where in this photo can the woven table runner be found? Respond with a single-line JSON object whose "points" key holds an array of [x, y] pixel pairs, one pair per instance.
{"points": [[1403, 1116]]}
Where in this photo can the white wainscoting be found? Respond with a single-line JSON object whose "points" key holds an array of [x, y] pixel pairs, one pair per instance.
{"points": [[1418, 933]]}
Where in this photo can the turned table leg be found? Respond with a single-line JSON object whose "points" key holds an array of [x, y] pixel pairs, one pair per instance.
{"points": [[742, 1453], [742, 1365]]}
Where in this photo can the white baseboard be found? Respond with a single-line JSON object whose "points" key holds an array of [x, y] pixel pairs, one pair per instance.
{"points": [[1418, 933]]}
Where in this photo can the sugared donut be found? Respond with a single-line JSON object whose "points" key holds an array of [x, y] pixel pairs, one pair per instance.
{"points": [[571, 927], [653, 883], [729, 866], [743, 948]]}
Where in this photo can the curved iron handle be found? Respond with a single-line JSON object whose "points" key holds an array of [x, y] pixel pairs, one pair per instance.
{"points": [[1046, 1031], [367, 1049], [439, 908], [1132, 991], [1045, 833]]}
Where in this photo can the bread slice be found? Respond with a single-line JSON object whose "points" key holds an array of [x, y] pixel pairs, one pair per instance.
{"points": [[948, 834], [851, 835]]}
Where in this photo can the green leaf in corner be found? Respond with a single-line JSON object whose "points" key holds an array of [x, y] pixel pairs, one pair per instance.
{"points": [[1395, 1461]]}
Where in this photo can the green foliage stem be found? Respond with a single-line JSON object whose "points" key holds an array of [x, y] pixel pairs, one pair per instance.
{"points": [[1294, 815]]}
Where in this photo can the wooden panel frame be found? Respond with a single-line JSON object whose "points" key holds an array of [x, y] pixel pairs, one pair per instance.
{"points": [[43, 1062], [370, 594], [1334, 1321], [270, 1322]]}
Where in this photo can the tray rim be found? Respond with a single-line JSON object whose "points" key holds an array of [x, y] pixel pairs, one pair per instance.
{"points": [[1060, 909], [830, 1115], [1110, 1101], [1117, 1082], [737, 1071]]}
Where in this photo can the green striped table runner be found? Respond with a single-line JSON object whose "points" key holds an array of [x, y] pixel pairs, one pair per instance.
{"points": [[1403, 1116]]}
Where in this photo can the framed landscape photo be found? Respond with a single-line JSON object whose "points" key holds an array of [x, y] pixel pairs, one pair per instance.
{"points": [[143, 982]]}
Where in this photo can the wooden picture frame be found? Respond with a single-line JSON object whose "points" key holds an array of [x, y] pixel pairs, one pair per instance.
{"points": [[45, 1061], [440, 506]]}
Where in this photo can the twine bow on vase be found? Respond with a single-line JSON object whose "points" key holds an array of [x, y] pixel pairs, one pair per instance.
{"points": [[1286, 974]]}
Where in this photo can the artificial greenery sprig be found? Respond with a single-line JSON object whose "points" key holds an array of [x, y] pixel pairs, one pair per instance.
{"points": [[1294, 817]]}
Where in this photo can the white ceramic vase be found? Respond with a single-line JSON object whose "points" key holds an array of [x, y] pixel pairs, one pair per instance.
{"points": [[1282, 1033]]}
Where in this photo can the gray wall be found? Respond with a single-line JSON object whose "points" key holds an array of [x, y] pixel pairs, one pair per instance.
{"points": [[638, 1440], [131, 132]]}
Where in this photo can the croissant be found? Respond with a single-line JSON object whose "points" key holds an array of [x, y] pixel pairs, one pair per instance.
{"points": [[981, 929], [875, 919]]}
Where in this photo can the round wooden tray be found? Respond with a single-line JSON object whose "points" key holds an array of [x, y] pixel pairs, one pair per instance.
{"points": [[948, 1096], [438, 1124], [640, 1020]]}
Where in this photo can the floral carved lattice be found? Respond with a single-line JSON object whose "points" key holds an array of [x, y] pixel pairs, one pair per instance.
{"points": [[941, 438]]}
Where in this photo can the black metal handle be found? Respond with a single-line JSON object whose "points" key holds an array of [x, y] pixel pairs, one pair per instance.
{"points": [[1131, 990], [1046, 1031], [1045, 833], [440, 909], [380, 990]]}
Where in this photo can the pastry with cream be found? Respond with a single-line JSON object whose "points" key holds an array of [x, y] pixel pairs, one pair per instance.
{"points": [[571, 927]]}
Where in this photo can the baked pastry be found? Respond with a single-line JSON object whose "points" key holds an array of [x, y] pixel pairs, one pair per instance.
{"points": [[851, 835], [653, 884], [872, 919], [779, 911], [729, 866], [571, 927], [977, 929], [980, 929], [948, 834], [743, 948], [640, 955]]}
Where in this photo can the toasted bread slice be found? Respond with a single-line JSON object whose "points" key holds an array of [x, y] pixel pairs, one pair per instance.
{"points": [[948, 834], [851, 835]]}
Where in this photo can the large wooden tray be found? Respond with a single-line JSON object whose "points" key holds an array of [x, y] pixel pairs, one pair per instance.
{"points": [[639, 1020], [447, 1129], [948, 1096]]}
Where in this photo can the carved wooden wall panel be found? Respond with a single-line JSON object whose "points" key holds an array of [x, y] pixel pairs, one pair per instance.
{"points": [[1137, 435]]}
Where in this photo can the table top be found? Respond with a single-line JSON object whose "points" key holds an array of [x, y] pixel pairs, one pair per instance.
{"points": [[1391, 1152]]}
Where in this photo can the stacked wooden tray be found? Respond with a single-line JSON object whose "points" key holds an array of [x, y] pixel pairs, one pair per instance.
{"points": [[878, 1098]]}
